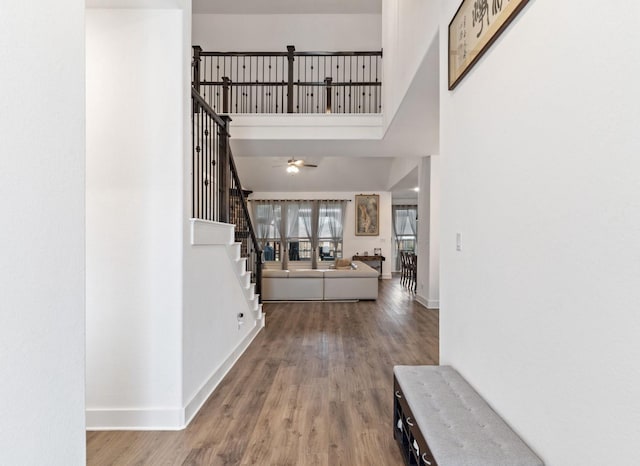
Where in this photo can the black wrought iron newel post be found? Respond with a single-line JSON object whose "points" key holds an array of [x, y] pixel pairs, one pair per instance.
{"points": [[327, 84], [290, 57], [196, 72], [226, 84], [223, 170]]}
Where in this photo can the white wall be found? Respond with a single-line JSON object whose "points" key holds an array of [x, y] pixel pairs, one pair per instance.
{"points": [[352, 243], [401, 171], [540, 170], [428, 250], [42, 235], [213, 339], [134, 217], [409, 27], [257, 33], [433, 296]]}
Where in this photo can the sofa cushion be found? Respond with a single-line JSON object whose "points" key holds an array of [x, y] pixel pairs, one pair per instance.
{"points": [[349, 273], [306, 273], [273, 273]]}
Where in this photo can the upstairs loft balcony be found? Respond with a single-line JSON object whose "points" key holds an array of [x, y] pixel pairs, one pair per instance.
{"points": [[294, 95], [289, 82]]}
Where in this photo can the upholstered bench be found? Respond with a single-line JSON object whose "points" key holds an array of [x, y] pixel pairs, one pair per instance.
{"points": [[440, 420]]}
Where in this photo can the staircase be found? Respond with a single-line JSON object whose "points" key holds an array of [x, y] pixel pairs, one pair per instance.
{"points": [[244, 275], [217, 196]]}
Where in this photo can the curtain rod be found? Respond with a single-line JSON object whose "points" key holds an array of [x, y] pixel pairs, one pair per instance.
{"points": [[300, 200]]}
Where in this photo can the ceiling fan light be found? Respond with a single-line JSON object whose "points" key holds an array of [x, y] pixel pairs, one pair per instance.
{"points": [[292, 169]]}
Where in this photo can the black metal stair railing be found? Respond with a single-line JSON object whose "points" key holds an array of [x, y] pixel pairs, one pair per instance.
{"points": [[289, 82], [217, 193]]}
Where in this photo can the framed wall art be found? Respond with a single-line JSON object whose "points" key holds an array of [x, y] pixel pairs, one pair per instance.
{"points": [[474, 27], [367, 214]]}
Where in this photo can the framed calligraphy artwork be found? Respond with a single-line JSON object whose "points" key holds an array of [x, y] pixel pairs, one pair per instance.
{"points": [[474, 27], [367, 214]]}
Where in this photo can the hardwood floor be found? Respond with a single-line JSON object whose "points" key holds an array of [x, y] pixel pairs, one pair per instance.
{"points": [[314, 388]]}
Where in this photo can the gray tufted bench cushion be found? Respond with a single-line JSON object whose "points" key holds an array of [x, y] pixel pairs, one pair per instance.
{"points": [[458, 426]]}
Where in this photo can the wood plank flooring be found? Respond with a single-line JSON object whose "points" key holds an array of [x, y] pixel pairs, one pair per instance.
{"points": [[314, 388]]}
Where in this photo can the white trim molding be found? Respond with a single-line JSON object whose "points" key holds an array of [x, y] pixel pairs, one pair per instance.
{"points": [[312, 126], [208, 233], [135, 419], [205, 391], [169, 419], [428, 303]]}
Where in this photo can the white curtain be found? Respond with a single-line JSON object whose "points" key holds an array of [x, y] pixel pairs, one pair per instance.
{"points": [[308, 214], [331, 221], [405, 225], [290, 221], [290, 211], [280, 222], [263, 218], [412, 217]]}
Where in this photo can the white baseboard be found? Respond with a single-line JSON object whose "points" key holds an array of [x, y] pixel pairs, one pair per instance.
{"points": [[428, 303], [135, 419], [168, 418], [214, 380]]}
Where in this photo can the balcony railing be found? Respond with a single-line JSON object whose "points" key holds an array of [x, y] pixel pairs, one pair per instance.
{"points": [[289, 82]]}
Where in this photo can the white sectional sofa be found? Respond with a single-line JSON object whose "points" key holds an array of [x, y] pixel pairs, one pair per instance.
{"points": [[357, 282]]}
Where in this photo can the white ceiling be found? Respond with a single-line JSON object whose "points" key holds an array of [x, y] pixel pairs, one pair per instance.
{"points": [[258, 7], [351, 165], [333, 174], [405, 188]]}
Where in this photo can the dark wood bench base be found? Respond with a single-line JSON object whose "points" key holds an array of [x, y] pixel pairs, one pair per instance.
{"points": [[413, 446]]}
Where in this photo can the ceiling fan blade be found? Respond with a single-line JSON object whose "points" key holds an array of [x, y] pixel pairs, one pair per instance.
{"points": [[299, 163]]}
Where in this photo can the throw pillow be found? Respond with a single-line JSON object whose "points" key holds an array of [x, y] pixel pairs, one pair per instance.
{"points": [[343, 263]]}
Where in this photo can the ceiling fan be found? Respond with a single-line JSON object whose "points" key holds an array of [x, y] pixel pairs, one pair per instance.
{"points": [[294, 166]]}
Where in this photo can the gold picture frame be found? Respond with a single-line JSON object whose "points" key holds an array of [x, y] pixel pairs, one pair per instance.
{"points": [[367, 214], [474, 27]]}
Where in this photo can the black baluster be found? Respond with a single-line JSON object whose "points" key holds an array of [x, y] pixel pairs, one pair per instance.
{"points": [[327, 83], [290, 57]]}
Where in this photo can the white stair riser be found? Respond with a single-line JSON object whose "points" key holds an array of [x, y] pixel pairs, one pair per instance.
{"points": [[241, 266], [235, 251]]}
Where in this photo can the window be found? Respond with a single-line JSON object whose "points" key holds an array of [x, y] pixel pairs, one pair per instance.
{"points": [[405, 229], [305, 230], [330, 229]]}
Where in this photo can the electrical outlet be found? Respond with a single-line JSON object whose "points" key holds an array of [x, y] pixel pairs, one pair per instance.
{"points": [[458, 242]]}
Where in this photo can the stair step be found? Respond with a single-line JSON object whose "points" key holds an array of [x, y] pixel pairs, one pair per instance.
{"points": [[235, 250], [241, 265], [251, 291], [245, 279]]}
